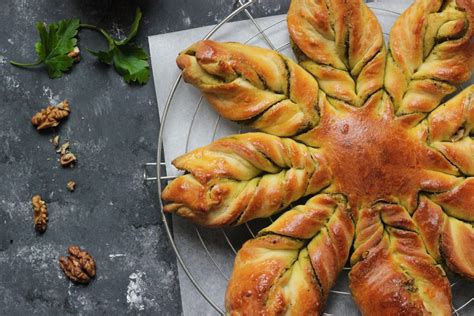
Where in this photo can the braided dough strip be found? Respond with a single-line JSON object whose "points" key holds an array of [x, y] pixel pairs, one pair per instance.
{"points": [[431, 51], [291, 265], [450, 128], [253, 85], [242, 177], [446, 238], [339, 42], [392, 273]]}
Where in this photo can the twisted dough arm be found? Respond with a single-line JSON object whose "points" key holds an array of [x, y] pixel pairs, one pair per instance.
{"points": [[392, 273], [339, 42], [291, 265], [459, 201], [451, 127], [446, 219], [431, 51], [253, 85], [242, 177], [447, 238]]}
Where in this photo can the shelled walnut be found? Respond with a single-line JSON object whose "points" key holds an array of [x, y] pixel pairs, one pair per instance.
{"points": [[40, 214], [51, 116], [79, 266]]}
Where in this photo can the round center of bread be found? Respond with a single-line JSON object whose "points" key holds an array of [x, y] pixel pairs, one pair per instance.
{"points": [[373, 156]]}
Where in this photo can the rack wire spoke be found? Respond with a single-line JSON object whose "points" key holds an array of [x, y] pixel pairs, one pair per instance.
{"points": [[339, 292], [228, 241], [192, 122], [250, 231], [209, 254], [261, 32], [463, 306]]}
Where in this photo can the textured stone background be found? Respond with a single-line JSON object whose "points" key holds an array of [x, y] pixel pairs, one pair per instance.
{"points": [[112, 129]]}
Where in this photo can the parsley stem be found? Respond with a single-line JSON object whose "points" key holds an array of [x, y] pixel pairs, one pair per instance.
{"points": [[94, 28], [36, 63]]}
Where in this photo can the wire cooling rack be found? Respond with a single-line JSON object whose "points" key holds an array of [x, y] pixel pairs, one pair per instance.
{"points": [[340, 301]]}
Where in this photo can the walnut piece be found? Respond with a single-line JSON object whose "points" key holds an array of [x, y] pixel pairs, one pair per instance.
{"points": [[63, 149], [66, 157], [71, 186], [75, 54], [51, 116], [40, 214], [55, 141], [79, 266]]}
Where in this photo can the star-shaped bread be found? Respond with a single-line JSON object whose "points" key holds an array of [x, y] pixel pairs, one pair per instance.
{"points": [[361, 148]]}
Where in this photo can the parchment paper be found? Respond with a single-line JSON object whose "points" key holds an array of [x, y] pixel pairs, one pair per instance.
{"points": [[190, 125]]}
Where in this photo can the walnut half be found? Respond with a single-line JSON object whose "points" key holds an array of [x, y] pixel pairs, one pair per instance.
{"points": [[40, 214], [51, 116], [79, 266]]}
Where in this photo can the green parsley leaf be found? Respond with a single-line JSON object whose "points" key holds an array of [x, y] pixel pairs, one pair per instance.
{"points": [[129, 60], [54, 45], [132, 63]]}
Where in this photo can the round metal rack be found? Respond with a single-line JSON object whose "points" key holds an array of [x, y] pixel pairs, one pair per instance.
{"points": [[234, 236]]}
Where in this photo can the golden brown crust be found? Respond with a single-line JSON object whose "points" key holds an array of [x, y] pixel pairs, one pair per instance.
{"points": [[247, 176], [454, 116], [261, 269], [400, 163], [450, 127], [456, 245], [252, 84], [341, 44], [290, 266], [378, 288], [459, 201], [430, 220], [446, 238], [329, 250], [392, 274], [431, 51]]}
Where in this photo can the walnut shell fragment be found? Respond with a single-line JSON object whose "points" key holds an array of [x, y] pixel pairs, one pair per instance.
{"points": [[51, 116], [40, 214], [79, 266]]}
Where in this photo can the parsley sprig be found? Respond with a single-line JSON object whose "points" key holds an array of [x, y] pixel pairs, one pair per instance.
{"points": [[59, 39], [129, 60]]}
